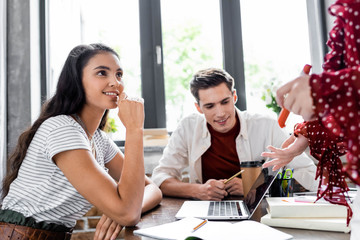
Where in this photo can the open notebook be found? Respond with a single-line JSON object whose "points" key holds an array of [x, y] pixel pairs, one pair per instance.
{"points": [[231, 209], [213, 230]]}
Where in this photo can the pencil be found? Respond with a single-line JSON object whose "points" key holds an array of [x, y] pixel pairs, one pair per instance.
{"points": [[235, 175], [200, 225]]}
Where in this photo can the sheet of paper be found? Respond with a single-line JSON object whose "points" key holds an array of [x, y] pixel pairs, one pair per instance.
{"points": [[325, 224], [282, 207], [172, 230], [244, 230], [213, 230]]}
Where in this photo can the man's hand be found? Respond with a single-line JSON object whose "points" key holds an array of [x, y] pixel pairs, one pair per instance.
{"points": [[235, 187], [212, 190], [107, 229], [251, 196]]}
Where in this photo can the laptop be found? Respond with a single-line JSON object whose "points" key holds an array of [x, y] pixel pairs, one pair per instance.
{"points": [[231, 209]]}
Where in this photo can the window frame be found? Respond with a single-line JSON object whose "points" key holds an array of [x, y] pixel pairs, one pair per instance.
{"points": [[44, 58], [318, 32], [152, 67], [233, 54]]}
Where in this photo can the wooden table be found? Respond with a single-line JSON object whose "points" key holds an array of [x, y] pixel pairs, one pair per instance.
{"points": [[166, 212]]}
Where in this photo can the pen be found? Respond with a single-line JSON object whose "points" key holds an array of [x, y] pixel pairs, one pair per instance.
{"points": [[200, 225], [286, 181], [288, 173], [289, 186], [282, 183], [235, 175]]}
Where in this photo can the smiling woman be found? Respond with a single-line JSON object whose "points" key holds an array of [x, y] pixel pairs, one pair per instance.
{"points": [[102, 77], [115, 17], [45, 192]]}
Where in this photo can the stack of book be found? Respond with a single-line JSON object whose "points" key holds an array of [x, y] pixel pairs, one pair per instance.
{"points": [[301, 212]]}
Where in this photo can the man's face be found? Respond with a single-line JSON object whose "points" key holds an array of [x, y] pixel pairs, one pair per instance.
{"points": [[218, 106]]}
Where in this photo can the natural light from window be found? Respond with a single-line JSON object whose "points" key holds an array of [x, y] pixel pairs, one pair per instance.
{"points": [[113, 22], [276, 47], [192, 41], [275, 43]]}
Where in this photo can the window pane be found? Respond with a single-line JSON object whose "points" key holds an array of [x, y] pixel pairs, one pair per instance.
{"points": [[276, 47], [191, 41], [112, 22]]}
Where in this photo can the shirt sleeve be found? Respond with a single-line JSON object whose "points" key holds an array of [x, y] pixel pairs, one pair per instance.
{"points": [[336, 97], [111, 151], [174, 159], [304, 167], [65, 138]]}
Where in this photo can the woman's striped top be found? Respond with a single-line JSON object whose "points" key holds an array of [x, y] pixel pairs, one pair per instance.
{"points": [[41, 190]]}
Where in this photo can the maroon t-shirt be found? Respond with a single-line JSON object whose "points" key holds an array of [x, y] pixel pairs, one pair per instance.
{"points": [[221, 161]]}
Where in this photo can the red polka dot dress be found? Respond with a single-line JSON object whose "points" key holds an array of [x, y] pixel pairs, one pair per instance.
{"points": [[336, 95]]}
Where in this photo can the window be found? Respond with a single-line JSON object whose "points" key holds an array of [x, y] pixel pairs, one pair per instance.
{"points": [[276, 47], [112, 22], [163, 43], [191, 41]]}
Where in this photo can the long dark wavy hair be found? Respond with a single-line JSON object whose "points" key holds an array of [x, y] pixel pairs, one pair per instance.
{"points": [[69, 98]]}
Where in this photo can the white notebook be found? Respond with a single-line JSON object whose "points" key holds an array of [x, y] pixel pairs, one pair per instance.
{"points": [[280, 207], [213, 230], [325, 224]]}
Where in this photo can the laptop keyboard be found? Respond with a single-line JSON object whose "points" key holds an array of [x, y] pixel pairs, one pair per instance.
{"points": [[224, 209]]}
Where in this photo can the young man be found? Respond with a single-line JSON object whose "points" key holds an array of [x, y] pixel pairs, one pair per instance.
{"points": [[214, 143]]}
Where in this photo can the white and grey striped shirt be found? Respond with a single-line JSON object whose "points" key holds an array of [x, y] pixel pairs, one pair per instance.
{"points": [[41, 190]]}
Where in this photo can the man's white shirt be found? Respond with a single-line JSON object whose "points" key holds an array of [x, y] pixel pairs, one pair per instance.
{"points": [[192, 138]]}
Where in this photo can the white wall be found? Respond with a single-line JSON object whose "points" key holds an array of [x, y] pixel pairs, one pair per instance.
{"points": [[2, 89], [35, 60]]}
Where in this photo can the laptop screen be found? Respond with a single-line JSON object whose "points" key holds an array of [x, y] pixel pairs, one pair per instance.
{"points": [[259, 189]]}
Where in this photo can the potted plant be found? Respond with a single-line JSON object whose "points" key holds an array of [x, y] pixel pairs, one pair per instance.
{"points": [[110, 126], [268, 96]]}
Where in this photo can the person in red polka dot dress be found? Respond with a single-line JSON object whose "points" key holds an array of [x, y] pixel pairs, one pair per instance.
{"points": [[330, 105]]}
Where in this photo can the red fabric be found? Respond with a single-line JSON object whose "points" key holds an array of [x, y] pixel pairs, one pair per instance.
{"points": [[327, 148], [221, 161], [336, 95]]}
